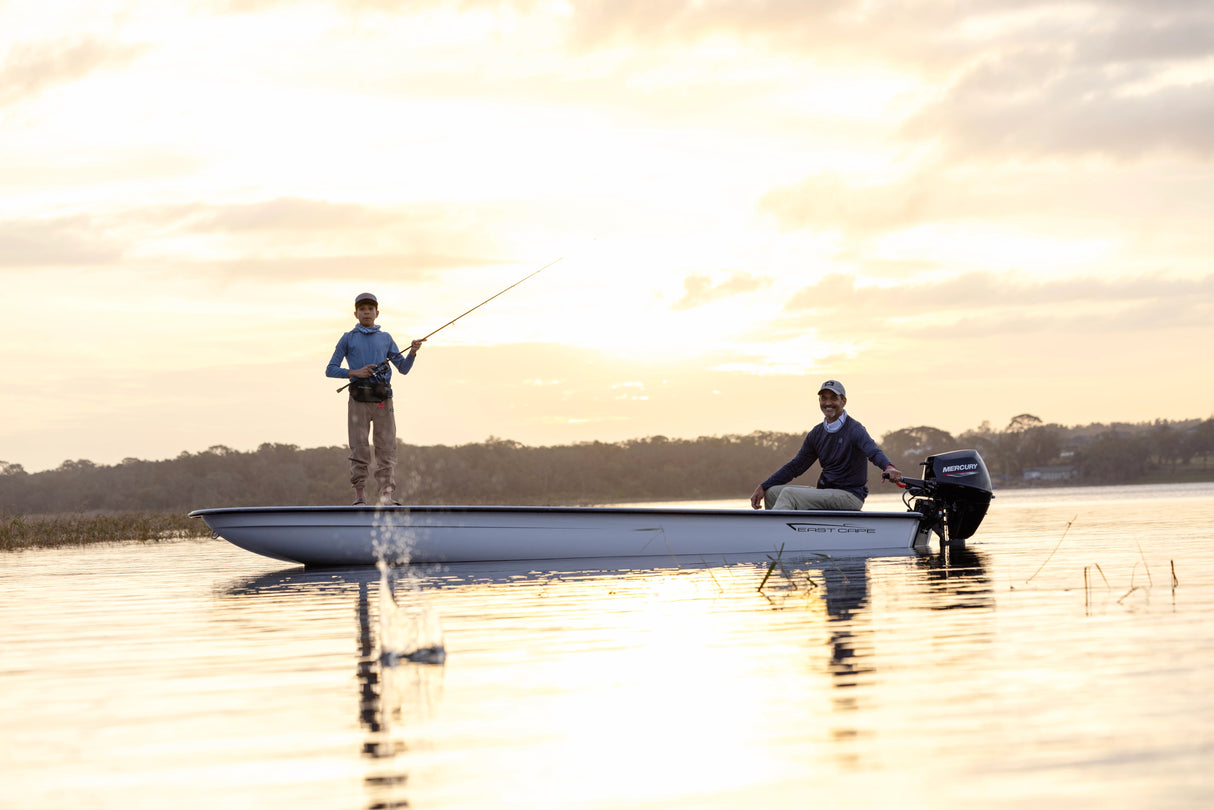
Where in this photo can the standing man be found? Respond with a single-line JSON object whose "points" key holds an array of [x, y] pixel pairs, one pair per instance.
{"points": [[368, 351], [842, 445]]}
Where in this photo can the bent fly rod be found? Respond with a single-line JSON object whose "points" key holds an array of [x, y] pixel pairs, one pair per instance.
{"points": [[456, 318]]}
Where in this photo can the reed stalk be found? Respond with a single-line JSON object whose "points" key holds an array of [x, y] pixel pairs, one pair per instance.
{"points": [[774, 562]]}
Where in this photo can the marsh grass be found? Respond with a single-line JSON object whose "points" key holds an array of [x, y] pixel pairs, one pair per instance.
{"points": [[49, 531]]}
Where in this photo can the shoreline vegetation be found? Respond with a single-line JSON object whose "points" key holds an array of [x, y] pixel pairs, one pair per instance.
{"points": [[80, 502], [51, 531]]}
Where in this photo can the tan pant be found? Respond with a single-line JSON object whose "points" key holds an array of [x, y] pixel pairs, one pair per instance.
{"points": [[379, 419], [798, 497]]}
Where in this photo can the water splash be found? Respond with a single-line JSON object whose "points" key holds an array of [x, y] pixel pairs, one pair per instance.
{"points": [[391, 538], [408, 625], [409, 629]]}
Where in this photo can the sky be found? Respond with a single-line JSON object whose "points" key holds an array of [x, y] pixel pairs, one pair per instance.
{"points": [[964, 211]]}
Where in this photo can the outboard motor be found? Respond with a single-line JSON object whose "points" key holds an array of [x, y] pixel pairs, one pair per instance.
{"points": [[952, 496]]}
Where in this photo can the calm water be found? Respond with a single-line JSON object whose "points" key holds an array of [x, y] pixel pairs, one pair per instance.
{"points": [[1064, 659]]}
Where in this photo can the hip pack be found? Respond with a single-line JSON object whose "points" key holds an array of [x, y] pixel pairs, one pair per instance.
{"points": [[369, 390]]}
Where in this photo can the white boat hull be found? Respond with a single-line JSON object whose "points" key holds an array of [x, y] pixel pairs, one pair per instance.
{"points": [[329, 536]]}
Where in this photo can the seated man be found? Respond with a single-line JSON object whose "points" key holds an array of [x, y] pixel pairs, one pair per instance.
{"points": [[842, 445]]}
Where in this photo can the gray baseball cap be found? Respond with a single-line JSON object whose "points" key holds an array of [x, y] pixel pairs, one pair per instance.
{"points": [[366, 297], [833, 385]]}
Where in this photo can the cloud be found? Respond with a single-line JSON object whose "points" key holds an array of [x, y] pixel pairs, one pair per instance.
{"points": [[1003, 110], [827, 202], [400, 267], [31, 68], [1127, 30], [992, 80], [699, 289], [56, 242], [1116, 79], [982, 303], [318, 238], [998, 79], [283, 214], [826, 29], [1066, 200], [52, 168]]}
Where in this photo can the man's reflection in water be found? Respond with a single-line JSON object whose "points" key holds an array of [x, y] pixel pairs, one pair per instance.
{"points": [[956, 578], [382, 688], [846, 586], [846, 593], [378, 702]]}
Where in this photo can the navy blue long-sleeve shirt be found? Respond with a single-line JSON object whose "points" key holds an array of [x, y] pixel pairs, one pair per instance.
{"points": [[842, 454]]}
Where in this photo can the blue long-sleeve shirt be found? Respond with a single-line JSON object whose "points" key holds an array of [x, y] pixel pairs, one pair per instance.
{"points": [[363, 346], [842, 454]]}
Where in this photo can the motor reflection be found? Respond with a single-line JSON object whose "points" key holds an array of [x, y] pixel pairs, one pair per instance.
{"points": [[957, 578]]}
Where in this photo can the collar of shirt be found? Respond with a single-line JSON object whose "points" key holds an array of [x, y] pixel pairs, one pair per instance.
{"points": [[837, 425]]}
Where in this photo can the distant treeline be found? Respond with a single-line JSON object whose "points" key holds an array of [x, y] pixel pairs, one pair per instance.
{"points": [[498, 471]]}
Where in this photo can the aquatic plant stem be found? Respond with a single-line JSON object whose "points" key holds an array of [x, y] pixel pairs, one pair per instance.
{"points": [[771, 567], [1047, 559]]}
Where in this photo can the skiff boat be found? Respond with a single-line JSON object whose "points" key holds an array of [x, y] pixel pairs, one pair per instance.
{"points": [[950, 501]]}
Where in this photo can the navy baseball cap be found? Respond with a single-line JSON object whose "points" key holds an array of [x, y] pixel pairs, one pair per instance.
{"points": [[366, 297]]}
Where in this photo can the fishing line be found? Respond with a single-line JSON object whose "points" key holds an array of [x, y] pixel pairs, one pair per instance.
{"points": [[469, 312]]}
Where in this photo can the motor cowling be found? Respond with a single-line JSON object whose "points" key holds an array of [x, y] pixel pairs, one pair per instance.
{"points": [[960, 484]]}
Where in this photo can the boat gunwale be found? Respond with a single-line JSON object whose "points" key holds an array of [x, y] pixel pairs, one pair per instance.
{"points": [[559, 510]]}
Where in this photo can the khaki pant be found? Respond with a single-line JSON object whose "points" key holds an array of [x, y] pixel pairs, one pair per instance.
{"points": [[379, 419], [798, 497]]}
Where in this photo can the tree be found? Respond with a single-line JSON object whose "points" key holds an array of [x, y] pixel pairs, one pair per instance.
{"points": [[1203, 441], [982, 439], [1023, 422], [1040, 446], [1027, 442], [1114, 458], [908, 447], [1167, 444]]}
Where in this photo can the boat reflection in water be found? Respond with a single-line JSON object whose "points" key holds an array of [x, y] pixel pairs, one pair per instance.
{"points": [[604, 608]]}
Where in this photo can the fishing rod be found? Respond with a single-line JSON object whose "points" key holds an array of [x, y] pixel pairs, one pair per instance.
{"points": [[379, 367]]}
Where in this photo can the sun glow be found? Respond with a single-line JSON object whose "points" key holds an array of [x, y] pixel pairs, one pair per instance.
{"points": [[686, 726], [224, 176]]}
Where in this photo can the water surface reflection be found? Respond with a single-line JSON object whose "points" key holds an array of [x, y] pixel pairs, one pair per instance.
{"points": [[194, 675], [644, 630]]}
